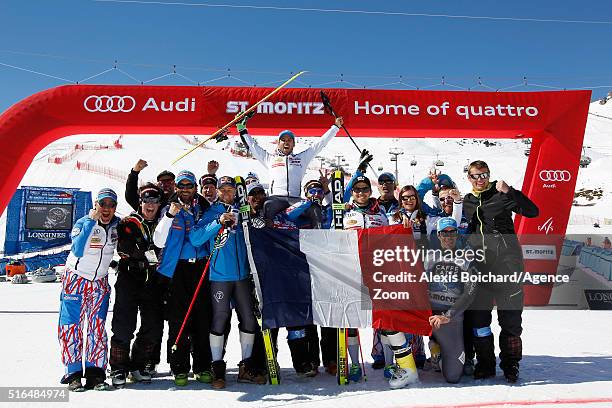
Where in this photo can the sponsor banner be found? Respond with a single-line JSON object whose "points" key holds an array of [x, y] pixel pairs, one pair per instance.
{"points": [[540, 252], [45, 238], [599, 299]]}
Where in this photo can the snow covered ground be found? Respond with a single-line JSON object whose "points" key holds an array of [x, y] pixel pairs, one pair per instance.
{"points": [[568, 354]]}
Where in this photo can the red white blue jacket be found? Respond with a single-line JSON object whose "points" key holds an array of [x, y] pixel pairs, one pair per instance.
{"points": [[93, 247]]}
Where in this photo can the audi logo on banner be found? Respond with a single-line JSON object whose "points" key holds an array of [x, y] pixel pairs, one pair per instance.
{"points": [[106, 103], [555, 175]]}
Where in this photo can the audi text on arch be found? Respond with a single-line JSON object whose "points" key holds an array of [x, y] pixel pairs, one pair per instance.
{"points": [[106, 103], [126, 104]]}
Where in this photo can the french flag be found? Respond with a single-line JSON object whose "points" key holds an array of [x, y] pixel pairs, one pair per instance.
{"points": [[339, 278]]}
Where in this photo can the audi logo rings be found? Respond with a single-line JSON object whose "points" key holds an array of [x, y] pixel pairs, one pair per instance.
{"points": [[106, 103], [555, 175]]}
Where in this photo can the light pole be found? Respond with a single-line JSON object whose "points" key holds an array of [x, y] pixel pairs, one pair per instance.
{"points": [[339, 158], [396, 151], [321, 159]]}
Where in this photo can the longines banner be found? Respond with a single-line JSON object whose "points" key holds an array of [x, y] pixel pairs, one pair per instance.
{"points": [[555, 121], [42, 217]]}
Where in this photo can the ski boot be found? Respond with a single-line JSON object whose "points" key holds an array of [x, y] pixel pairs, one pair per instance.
{"points": [[181, 380], [118, 378], [74, 382], [247, 374], [389, 370], [141, 376], [218, 372], [468, 367], [204, 377], [95, 379], [436, 355], [331, 368], [402, 377], [355, 373]]}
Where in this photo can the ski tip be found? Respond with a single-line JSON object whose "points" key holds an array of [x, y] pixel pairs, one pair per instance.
{"points": [[174, 348]]}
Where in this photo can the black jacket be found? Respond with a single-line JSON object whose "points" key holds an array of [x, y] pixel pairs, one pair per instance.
{"points": [[135, 239], [489, 215]]}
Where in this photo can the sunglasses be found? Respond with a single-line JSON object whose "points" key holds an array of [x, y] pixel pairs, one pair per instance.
{"points": [[107, 205], [185, 186], [150, 200], [448, 234], [481, 176], [409, 198], [381, 182], [166, 181], [358, 190], [447, 198]]}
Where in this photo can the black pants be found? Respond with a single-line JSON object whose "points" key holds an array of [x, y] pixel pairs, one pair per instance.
{"points": [[509, 298], [304, 349], [195, 336], [239, 293], [450, 338], [134, 295], [329, 345]]}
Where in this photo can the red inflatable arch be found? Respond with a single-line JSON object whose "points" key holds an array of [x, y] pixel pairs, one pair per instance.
{"points": [[554, 120]]}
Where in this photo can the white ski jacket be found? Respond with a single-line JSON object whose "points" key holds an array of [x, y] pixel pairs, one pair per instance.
{"points": [[287, 172]]}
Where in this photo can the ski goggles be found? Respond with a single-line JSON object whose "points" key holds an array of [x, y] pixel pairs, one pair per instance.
{"points": [[107, 204], [315, 191], [358, 190], [480, 176], [150, 200], [448, 233], [185, 186]]}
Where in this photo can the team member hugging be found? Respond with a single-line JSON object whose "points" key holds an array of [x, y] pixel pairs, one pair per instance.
{"points": [[449, 298], [137, 289], [230, 282], [287, 169], [85, 294]]}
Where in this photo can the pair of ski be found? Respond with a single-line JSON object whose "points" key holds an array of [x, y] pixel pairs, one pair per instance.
{"points": [[245, 214], [337, 183]]}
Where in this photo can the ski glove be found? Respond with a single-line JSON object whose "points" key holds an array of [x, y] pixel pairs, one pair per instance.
{"points": [[241, 124], [222, 136], [364, 160]]}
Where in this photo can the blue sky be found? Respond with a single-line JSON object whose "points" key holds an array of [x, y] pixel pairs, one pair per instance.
{"points": [[77, 39]]}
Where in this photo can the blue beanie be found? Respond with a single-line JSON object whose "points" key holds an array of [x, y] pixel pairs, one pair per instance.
{"points": [[186, 175], [106, 193], [286, 133], [446, 222]]}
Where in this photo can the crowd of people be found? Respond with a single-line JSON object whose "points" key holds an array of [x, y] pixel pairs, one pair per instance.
{"points": [[181, 223]]}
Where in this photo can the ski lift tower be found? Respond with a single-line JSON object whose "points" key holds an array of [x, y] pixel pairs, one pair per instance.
{"points": [[396, 151]]}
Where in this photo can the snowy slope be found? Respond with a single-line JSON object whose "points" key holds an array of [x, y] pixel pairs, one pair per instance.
{"points": [[577, 365]]}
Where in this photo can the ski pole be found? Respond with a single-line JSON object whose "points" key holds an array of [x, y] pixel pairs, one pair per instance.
{"points": [[365, 376], [330, 109], [195, 294], [240, 115]]}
